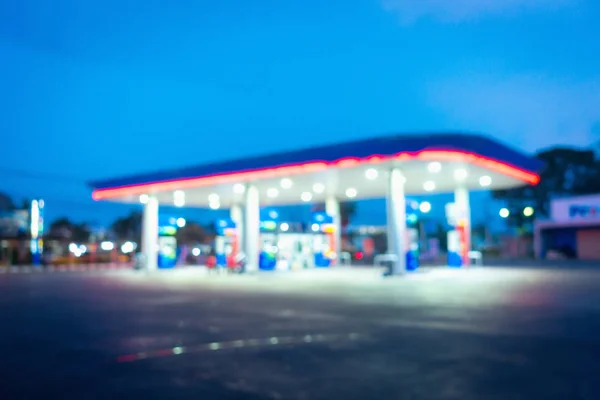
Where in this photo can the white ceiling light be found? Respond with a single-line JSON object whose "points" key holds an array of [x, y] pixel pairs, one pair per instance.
{"points": [[315, 227], [306, 197], [284, 227], [144, 198], [371, 173], [425, 207], [485, 181], [434, 167], [318, 188], [239, 188], [272, 192], [351, 193], [213, 198], [181, 222], [179, 198], [214, 205], [429, 186], [460, 174], [286, 183]]}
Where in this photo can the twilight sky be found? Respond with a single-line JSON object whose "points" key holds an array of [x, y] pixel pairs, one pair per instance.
{"points": [[97, 88]]}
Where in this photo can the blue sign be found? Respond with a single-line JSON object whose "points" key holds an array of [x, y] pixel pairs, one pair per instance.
{"points": [[584, 211]]}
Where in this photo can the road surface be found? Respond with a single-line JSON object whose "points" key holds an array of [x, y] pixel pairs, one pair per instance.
{"points": [[478, 334]]}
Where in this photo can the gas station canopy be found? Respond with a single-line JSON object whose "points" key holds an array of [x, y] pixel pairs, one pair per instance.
{"points": [[431, 163]]}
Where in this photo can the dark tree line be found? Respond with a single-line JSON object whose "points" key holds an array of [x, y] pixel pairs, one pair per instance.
{"points": [[567, 172]]}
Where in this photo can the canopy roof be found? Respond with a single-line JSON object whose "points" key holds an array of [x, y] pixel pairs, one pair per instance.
{"points": [[353, 169]]}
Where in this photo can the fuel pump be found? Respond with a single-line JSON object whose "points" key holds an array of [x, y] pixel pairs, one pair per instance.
{"points": [[226, 243], [412, 237], [167, 245], [267, 260], [323, 239]]}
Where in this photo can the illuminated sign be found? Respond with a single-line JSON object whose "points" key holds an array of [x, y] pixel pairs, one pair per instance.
{"points": [[584, 211]]}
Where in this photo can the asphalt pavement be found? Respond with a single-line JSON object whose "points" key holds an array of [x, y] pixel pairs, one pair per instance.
{"points": [[347, 334]]}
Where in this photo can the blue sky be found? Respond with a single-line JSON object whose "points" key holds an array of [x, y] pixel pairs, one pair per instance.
{"points": [[97, 88]]}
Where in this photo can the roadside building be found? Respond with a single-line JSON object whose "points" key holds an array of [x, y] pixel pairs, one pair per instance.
{"points": [[573, 230]]}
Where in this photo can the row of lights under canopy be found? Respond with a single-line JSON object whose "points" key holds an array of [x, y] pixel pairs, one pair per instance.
{"points": [[214, 203]]}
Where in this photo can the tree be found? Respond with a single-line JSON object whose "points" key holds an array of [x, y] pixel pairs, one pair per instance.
{"points": [[6, 202], [63, 228], [192, 233], [567, 172], [347, 211], [129, 227]]}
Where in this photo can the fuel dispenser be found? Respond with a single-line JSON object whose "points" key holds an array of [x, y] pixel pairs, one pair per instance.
{"points": [[412, 236], [167, 245], [323, 239], [458, 238], [267, 260], [226, 243]]}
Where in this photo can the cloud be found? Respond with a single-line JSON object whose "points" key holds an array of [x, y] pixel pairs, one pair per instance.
{"points": [[453, 11], [525, 110]]}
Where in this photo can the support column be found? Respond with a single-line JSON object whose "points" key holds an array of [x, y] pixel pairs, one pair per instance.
{"points": [[463, 220], [236, 215], [396, 230], [332, 208], [251, 228], [150, 233]]}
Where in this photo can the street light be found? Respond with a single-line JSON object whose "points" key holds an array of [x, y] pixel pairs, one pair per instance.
{"points": [[528, 211], [504, 213]]}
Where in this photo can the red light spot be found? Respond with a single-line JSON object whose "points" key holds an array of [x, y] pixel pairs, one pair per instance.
{"points": [[359, 255]]}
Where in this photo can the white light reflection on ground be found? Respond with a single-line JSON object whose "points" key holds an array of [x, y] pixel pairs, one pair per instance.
{"points": [[242, 343]]}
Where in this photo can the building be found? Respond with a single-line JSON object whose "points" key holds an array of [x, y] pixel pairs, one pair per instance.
{"points": [[383, 167], [572, 231]]}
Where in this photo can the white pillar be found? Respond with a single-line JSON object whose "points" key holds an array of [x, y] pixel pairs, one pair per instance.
{"points": [[332, 208], [150, 233], [251, 226], [463, 213], [396, 229], [236, 215]]}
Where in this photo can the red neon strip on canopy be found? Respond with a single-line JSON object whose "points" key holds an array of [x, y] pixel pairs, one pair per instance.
{"points": [[277, 172]]}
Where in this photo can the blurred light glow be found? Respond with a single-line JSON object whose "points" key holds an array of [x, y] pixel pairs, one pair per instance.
{"points": [[504, 213], [195, 252], [273, 214], [73, 248], [429, 186], [460, 174], [528, 211], [318, 188], [127, 247], [286, 183], [351, 193], [306, 197], [239, 188], [315, 227], [213, 198], [107, 246], [485, 181], [434, 167], [144, 198], [371, 173], [272, 192], [425, 207], [284, 227], [214, 205], [179, 198], [181, 222]]}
